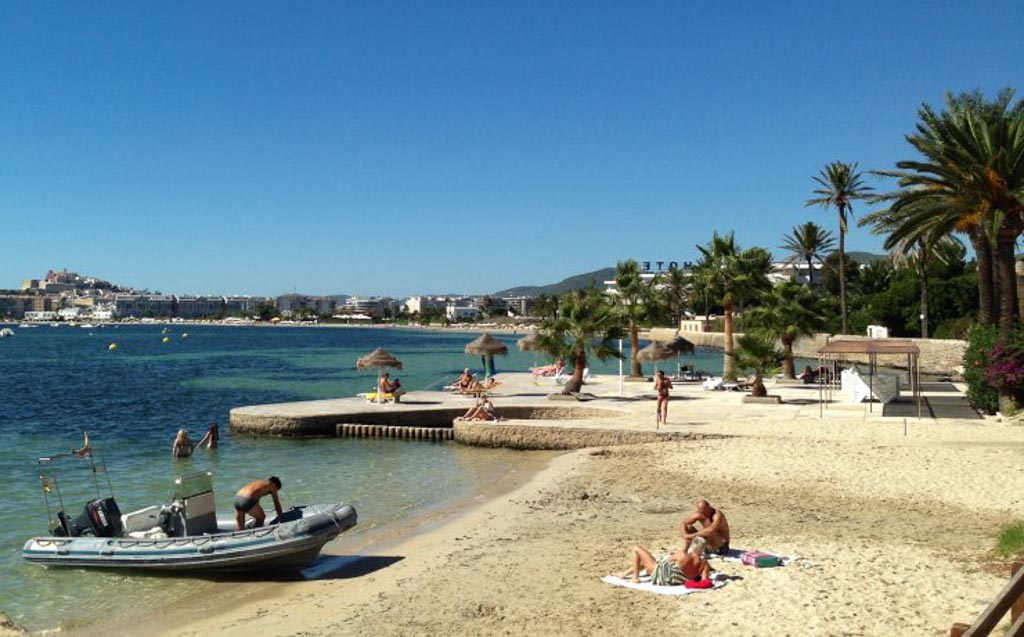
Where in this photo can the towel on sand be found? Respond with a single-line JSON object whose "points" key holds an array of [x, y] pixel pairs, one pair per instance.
{"points": [[736, 555], [645, 585]]}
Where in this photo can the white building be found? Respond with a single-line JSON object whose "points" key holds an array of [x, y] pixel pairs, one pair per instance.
{"points": [[455, 313], [419, 304]]}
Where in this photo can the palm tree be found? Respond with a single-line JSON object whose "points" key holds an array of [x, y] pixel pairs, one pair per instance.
{"points": [[546, 306], [808, 243], [841, 184], [632, 301], [758, 353], [731, 276], [915, 249], [585, 324], [674, 287], [789, 312], [971, 180]]}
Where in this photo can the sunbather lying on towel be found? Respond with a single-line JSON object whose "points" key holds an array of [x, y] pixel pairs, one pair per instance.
{"points": [[476, 387], [714, 528], [549, 370], [672, 569]]}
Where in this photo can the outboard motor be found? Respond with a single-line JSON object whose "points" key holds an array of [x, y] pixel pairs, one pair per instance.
{"points": [[105, 517]]}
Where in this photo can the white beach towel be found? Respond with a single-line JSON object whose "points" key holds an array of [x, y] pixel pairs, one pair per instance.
{"points": [[735, 555], [645, 585]]}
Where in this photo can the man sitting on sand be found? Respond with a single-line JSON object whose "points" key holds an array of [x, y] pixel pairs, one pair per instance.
{"points": [[247, 500], [670, 569], [714, 528]]}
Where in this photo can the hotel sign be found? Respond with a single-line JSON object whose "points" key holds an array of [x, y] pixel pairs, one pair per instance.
{"points": [[649, 267]]}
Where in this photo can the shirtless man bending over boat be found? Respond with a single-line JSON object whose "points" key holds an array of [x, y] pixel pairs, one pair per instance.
{"points": [[714, 528], [247, 500]]}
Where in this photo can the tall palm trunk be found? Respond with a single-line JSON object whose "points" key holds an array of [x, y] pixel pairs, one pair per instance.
{"points": [[788, 368], [842, 277], [810, 272], [986, 287], [635, 368], [729, 364], [1006, 267]]}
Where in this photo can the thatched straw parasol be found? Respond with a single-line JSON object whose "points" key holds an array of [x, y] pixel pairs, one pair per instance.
{"points": [[680, 345], [660, 351], [655, 351], [378, 359], [529, 343], [487, 347]]}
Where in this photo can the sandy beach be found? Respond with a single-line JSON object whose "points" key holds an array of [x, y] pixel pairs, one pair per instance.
{"points": [[894, 533]]}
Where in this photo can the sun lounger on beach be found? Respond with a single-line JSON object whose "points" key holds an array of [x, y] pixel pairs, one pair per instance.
{"points": [[743, 384], [712, 383], [546, 370], [371, 396], [563, 378], [717, 581]]}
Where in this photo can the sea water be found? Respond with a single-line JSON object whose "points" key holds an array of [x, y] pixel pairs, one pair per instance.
{"points": [[56, 383]]}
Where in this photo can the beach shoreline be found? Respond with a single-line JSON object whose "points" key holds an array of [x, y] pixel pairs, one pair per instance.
{"points": [[894, 536], [216, 607], [547, 542]]}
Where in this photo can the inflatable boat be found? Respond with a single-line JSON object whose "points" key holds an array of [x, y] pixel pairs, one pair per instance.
{"points": [[181, 535]]}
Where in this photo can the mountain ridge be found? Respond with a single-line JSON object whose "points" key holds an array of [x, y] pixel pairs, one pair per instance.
{"points": [[579, 281]]}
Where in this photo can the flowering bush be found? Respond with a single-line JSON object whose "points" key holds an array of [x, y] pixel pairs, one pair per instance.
{"points": [[1005, 370], [980, 393]]}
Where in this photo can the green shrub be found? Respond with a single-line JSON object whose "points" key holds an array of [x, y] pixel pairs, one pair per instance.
{"points": [[955, 328], [1011, 541], [982, 396]]}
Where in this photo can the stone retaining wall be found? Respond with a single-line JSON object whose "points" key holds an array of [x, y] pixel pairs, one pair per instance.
{"points": [[938, 356], [512, 435], [324, 425]]}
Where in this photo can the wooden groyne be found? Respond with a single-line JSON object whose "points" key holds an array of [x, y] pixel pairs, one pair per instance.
{"points": [[356, 430]]}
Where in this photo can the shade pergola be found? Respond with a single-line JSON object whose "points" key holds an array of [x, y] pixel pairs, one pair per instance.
{"points": [[839, 351]]}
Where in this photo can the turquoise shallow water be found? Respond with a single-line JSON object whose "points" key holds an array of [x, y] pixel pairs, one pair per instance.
{"points": [[57, 382]]}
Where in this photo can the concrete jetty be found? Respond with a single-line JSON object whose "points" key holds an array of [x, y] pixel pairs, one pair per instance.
{"points": [[610, 416], [530, 418]]}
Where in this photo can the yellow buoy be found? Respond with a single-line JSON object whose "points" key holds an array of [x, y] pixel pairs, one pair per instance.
{"points": [[112, 347], [167, 339]]}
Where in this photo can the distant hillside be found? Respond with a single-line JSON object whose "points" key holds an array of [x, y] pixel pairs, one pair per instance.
{"points": [[597, 277], [866, 257]]}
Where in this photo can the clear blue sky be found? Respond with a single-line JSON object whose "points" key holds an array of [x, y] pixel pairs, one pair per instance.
{"points": [[403, 147]]}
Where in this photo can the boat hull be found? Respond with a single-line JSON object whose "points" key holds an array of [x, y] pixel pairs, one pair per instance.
{"points": [[290, 545]]}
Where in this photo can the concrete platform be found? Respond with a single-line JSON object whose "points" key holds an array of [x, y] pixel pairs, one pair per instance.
{"points": [[611, 416]]}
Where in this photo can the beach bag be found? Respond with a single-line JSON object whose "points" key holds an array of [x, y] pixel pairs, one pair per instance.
{"points": [[759, 560]]}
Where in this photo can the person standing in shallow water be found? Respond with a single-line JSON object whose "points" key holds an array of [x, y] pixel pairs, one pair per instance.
{"points": [[182, 447], [211, 438], [662, 385]]}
